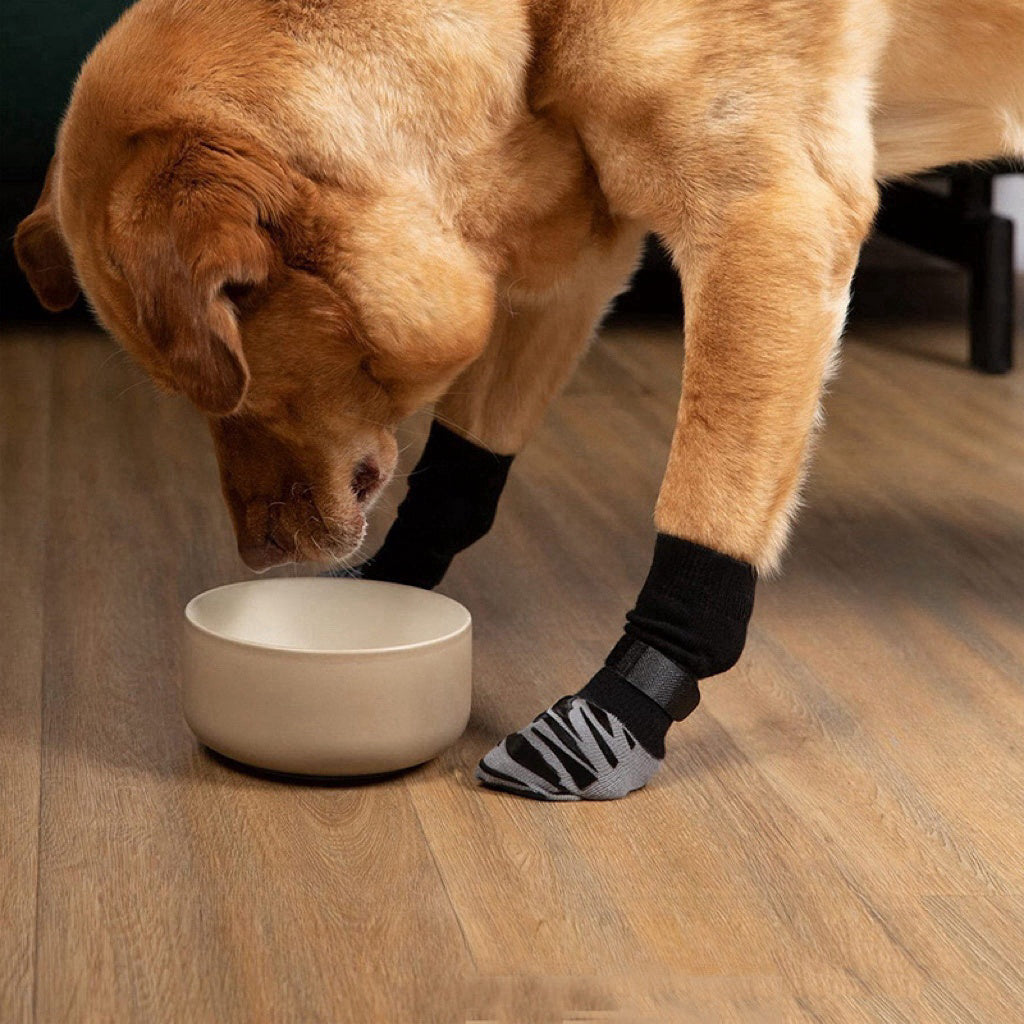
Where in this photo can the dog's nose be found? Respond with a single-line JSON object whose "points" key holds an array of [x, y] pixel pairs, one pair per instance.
{"points": [[367, 479]]}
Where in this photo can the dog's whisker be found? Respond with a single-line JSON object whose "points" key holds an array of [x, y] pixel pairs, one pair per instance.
{"points": [[132, 387], [461, 430]]}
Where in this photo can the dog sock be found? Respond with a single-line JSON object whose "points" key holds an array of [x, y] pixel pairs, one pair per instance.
{"points": [[689, 622], [451, 503]]}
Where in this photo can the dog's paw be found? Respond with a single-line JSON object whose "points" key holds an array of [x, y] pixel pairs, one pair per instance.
{"points": [[573, 751]]}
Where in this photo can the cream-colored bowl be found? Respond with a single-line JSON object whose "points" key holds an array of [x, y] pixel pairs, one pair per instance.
{"points": [[326, 676]]}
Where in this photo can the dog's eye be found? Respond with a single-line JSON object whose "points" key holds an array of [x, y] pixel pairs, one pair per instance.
{"points": [[239, 293], [366, 365]]}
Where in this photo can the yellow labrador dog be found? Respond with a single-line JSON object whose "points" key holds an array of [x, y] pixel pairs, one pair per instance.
{"points": [[313, 217]]}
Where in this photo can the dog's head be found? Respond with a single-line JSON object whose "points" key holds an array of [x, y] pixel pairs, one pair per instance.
{"points": [[304, 319]]}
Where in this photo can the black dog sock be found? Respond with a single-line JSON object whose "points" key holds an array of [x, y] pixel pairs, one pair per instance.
{"points": [[689, 622], [451, 503], [694, 606]]}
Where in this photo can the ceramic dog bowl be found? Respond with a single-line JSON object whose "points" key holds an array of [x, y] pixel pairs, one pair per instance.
{"points": [[326, 677]]}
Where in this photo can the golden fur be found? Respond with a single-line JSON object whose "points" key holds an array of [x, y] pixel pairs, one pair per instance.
{"points": [[313, 217]]}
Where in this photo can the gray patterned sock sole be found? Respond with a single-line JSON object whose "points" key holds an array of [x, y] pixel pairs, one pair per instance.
{"points": [[573, 751]]}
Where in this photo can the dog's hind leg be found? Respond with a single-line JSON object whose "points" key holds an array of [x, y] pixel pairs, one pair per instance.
{"points": [[492, 409]]}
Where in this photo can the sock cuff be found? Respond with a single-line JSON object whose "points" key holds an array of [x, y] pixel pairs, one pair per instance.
{"points": [[450, 504], [694, 606], [453, 491], [448, 452], [713, 579]]}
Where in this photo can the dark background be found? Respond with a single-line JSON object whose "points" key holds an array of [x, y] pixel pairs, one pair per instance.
{"points": [[42, 45]]}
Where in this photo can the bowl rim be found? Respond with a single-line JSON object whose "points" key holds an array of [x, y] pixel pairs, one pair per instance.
{"points": [[353, 652]]}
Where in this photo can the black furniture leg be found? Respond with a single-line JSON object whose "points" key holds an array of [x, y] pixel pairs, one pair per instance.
{"points": [[962, 228], [990, 265]]}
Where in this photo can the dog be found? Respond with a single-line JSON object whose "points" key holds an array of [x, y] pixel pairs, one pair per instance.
{"points": [[313, 218]]}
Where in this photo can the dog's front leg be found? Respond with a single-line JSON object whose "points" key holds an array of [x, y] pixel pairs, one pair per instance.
{"points": [[766, 280], [766, 295], [492, 409]]}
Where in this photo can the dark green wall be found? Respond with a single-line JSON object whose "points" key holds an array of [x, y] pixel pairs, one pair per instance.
{"points": [[42, 45]]}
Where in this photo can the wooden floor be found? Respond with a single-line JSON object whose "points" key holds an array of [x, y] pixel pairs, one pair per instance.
{"points": [[836, 836]]}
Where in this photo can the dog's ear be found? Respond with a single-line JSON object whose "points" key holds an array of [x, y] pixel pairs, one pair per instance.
{"points": [[42, 255], [189, 221]]}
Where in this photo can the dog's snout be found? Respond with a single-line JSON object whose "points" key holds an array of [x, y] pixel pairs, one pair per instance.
{"points": [[294, 503], [292, 528]]}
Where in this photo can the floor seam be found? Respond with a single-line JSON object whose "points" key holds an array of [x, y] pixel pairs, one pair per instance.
{"points": [[43, 615], [444, 881]]}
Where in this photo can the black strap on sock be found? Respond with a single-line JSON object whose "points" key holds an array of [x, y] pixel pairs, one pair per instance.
{"points": [[672, 688], [451, 503]]}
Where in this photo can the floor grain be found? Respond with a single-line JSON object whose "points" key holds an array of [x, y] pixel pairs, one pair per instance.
{"points": [[24, 486], [835, 837]]}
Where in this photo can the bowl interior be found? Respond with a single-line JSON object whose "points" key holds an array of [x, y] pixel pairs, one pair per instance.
{"points": [[326, 615]]}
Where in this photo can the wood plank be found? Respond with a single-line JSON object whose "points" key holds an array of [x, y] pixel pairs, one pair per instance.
{"points": [[982, 935], [25, 366]]}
